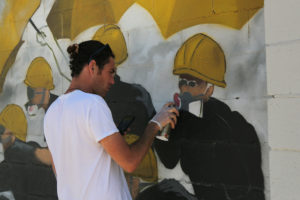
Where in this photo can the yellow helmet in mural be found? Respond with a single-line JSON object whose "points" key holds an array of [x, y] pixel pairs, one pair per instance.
{"points": [[201, 57], [39, 74], [147, 169], [112, 35], [13, 118]]}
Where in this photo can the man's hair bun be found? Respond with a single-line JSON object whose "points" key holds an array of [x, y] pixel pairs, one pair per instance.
{"points": [[73, 49]]}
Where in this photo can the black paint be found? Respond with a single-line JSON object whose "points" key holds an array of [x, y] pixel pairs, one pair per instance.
{"points": [[219, 152], [130, 99]]}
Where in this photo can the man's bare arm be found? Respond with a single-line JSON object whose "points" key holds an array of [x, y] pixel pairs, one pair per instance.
{"points": [[129, 156]]}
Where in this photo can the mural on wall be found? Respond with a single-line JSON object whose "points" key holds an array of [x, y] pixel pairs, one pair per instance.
{"points": [[216, 147], [39, 82], [172, 50], [26, 169]]}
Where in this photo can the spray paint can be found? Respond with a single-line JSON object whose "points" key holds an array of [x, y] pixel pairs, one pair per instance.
{"points": [[165, 133]]}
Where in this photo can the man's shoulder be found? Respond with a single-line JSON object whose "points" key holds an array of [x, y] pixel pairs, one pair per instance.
{"points": [[89, 99], [75, 101], [81, 97]]}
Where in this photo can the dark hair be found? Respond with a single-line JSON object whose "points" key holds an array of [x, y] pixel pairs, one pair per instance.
{"points": [[81, 54]]}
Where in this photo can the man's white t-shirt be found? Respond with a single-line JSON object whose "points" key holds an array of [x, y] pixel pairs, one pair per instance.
{"points": [[73, 125]]}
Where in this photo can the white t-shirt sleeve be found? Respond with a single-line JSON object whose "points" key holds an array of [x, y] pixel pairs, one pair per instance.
{"points": [[101, 123]]}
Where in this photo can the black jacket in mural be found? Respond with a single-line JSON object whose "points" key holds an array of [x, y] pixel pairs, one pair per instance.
{"points": [[219, 152], [130, 99], [24, 175]]}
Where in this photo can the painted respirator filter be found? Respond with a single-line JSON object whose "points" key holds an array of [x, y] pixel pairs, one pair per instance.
{"points": [[187, 102]]}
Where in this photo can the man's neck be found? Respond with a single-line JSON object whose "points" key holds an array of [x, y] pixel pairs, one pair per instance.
{"points": [[78, 83]]}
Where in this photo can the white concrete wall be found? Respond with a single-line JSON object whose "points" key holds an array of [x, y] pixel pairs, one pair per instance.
{"points": [[283, 87]]}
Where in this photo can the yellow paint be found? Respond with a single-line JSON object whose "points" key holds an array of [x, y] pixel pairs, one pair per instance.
{"points": [[174, 15], [60, 17], [201, 57], [147, 169], [69, 18], [13, 118], [112, 35], [13, 19], [39, 74]]}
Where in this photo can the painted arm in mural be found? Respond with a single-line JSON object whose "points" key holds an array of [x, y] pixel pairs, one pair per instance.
{"points": [[129, 156], [44, 156]]}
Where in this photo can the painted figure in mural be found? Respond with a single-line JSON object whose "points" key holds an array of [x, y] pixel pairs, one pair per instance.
{"points": [[125, 99], [39, 82], [215, 147], [87, 149], [24, 163]]}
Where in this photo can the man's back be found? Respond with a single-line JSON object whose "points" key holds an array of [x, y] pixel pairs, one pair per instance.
{"points": [[74, 125]]}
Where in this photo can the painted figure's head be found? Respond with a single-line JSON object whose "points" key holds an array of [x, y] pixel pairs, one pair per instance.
{"points": [[13, 124], [199, 61], [39, 82], [111, 34]]}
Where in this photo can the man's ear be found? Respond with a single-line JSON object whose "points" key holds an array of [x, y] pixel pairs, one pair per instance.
{"points": [[91, 66]]}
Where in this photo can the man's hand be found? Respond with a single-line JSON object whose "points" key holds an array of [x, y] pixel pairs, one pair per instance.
{"points": [[129, 156], [167, 115]]}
